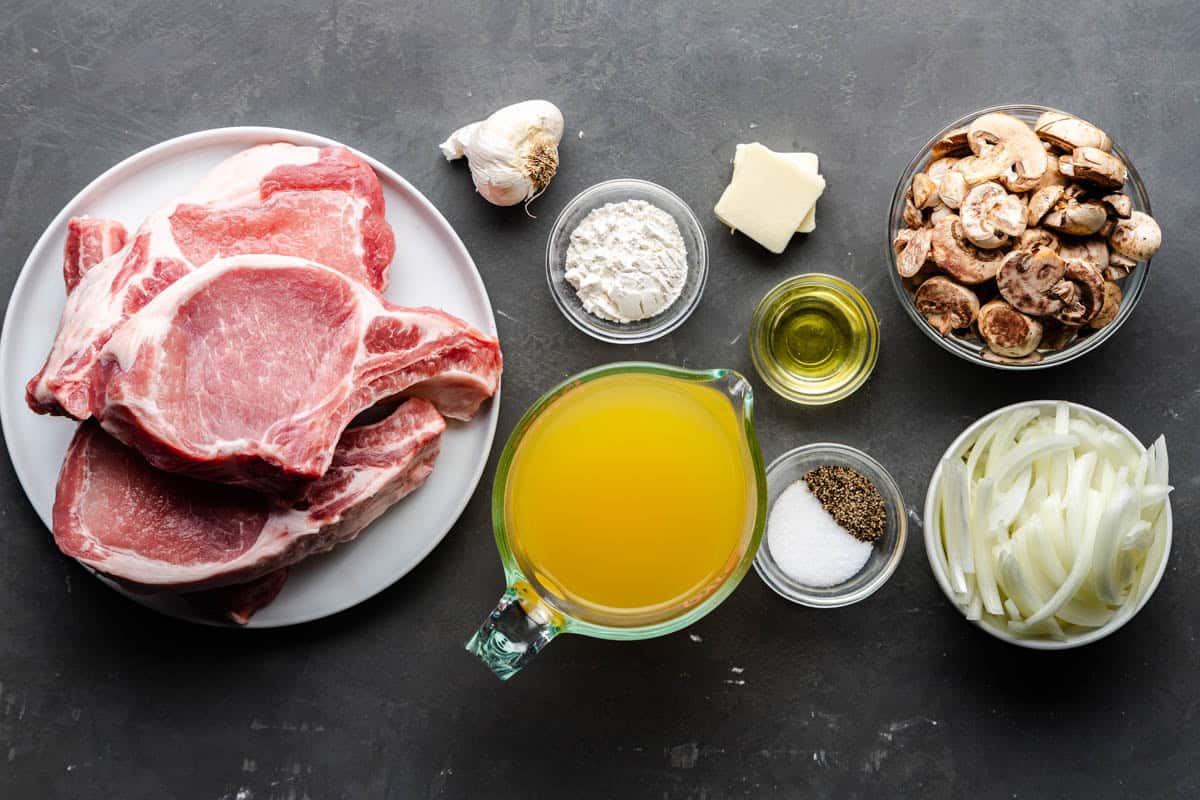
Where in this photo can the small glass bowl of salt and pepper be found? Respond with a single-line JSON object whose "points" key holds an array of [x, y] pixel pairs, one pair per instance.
{"points": [[828, 564]]}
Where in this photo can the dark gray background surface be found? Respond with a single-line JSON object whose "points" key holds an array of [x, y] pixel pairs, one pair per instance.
{"points": [[895, 697]]}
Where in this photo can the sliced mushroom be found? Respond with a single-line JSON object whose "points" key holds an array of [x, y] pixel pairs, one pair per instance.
{"points": [[1042, 201], [1034, 238], [1009, 215], [1007, 331], [1093, 165], [938, 168], [1119, 204], [1093, 250], [952, 189], [1077, 219], [1051, 177], [1017, 184], [912, 216], [947, 305], [1118, 266], [1137, 238], [1067, 133], [912, 249], [960, 259], [988, 355], [1002, 142], [1028, 281], [990, 215], [1056, 335], [1081, 292], [953, 143], [924, 191], [939, 212], [1110, 307]]}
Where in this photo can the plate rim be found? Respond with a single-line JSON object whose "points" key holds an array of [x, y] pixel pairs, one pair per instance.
{"points": [[266, 133]]}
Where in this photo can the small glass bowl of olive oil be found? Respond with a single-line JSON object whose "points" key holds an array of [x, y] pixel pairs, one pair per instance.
{"points": [[814, 339]]}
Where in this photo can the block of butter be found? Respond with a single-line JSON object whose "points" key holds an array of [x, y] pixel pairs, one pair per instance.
{"points": [[806, 161], [769, 197]]}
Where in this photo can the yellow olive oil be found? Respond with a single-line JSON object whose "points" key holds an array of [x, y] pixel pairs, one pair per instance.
{"points": [[815, 339]]}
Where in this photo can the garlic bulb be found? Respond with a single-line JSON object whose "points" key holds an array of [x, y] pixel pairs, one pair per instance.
{"points": [[513, 153]]}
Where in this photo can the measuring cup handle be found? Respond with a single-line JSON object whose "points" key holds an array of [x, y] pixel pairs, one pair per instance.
{"points": [[510, 636]]}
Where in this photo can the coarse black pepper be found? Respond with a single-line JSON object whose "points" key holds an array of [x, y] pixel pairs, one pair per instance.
{"points": [[851, 499]]}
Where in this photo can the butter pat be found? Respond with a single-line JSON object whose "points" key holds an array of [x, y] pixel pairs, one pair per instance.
{"points": [[769, 197], [807, 162], [810, 163]]}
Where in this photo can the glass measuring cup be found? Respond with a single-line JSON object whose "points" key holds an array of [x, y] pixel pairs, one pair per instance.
{"points": [[532, 612]]}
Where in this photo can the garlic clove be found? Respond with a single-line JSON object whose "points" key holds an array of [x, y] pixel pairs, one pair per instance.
{"points": [[456, 146]]}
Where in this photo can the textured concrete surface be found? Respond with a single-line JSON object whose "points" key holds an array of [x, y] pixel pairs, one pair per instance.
{"points": [[896, 697]]}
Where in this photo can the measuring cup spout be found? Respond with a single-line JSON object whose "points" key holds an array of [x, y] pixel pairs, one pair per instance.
{"points": [[515, 632]]}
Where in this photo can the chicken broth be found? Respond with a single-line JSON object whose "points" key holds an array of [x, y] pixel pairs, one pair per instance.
{"points": [[631, 494]]}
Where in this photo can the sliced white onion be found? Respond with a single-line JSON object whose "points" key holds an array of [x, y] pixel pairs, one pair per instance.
{"points": [[1049, 520]]}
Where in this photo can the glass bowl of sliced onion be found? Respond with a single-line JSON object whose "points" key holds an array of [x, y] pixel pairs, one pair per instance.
{"points": [[1048, 524]]}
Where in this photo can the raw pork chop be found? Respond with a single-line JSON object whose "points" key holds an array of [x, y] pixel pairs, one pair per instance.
{"points": [[240, 601], [117, 514], [247, 371], [321, 203], [90, 240]]}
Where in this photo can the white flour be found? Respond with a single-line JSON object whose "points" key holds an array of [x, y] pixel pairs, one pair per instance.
{"points": [[627, 261]]}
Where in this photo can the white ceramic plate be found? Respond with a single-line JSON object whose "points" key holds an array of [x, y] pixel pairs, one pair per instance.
{"points": [[431, 267]]}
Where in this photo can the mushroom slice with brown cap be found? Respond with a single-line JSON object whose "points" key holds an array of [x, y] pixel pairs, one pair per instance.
{"points": [[1081, 292], [1002, 142], [1007, 331], [960, 259], [1028, 281], [1056, 335], [1034, 238], [947, 305], [953, 143], [912, 250], [990, 215], [1137, 238], [1042, 201], [1093, 165], [1077, 219], [1118, 266], [1119, 204], [1067, 132], [1110, 307]]}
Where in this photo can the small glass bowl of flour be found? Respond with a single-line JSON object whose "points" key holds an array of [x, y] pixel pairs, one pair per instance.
{"points": [[627, 261], [772, 562]]}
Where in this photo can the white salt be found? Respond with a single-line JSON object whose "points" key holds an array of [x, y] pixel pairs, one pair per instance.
{"points": [[808, 544]]}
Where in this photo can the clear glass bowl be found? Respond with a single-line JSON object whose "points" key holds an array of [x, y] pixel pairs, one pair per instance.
{"points": [[618, 191], [970, 350], [933, 543], [791, 467], [815, 391]]}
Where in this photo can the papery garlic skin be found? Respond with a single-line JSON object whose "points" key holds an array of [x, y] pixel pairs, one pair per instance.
{"points": [[513, 154]]}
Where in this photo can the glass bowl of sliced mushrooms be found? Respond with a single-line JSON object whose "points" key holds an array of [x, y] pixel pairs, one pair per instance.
{"points": [[1020, 237]]}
